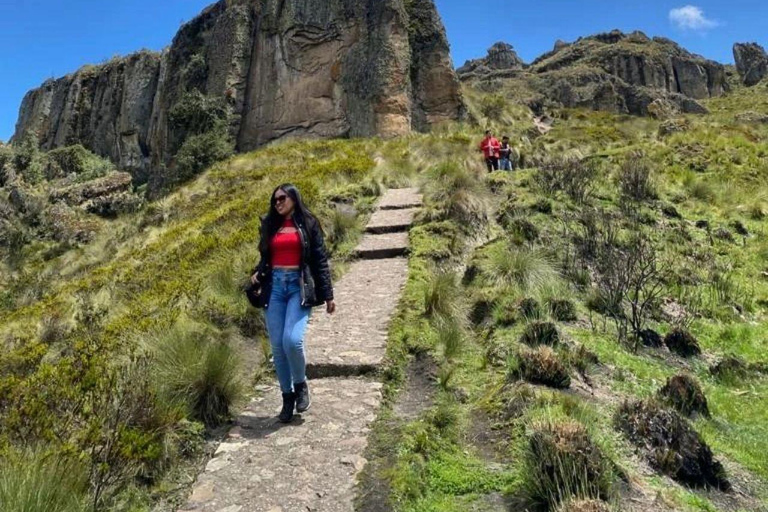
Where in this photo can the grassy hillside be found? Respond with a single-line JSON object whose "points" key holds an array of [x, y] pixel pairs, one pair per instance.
{"points": [[549, 392], [121, 355]]}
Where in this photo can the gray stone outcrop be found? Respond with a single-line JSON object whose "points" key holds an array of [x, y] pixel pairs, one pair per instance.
{"points": [[313, 68], [751, 62], [623, 73]]}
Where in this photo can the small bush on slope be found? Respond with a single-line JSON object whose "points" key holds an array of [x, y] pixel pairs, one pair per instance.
{"points": [[200, 370], [563, 462], [31, 481]]}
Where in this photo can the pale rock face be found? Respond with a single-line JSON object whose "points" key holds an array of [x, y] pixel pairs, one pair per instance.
{"points": [[751, 62], [284, 68]]}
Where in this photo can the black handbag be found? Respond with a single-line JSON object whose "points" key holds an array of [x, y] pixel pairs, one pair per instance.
{"points": [[253, 293]]}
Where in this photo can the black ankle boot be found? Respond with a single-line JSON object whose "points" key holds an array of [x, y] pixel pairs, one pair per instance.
{"points": [[302, 397], [289, 401]]}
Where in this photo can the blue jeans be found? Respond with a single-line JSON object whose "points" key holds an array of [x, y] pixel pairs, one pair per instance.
{"points": [[287, 322], [505, 164]]}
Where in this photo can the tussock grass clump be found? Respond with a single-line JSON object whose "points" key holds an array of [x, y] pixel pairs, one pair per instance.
{"points": [[540, 333], [530, 270], [682, 343], [730, 368], [456, 192], [584, 506], [441, 295], [562, 462], [673, 446], [541, 366], [30, 481], [684, 394], [635, 180], [339, 226], [199, 369], [562, 310], [529, 308], [650, 338]]}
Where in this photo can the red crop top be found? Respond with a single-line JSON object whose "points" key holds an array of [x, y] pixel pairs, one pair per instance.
{"points": [[286, 247]]}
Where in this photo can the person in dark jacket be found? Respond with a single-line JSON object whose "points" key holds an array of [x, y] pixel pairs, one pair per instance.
{"points": [[294, 277]]}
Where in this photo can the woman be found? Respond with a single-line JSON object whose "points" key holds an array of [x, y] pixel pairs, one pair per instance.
{"points": [[294, 277]]}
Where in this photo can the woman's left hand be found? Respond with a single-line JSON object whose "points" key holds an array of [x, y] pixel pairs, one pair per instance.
{"points": [[330, 307]]}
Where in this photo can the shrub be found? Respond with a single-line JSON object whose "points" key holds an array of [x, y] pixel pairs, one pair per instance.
{"points": [[540, 333], [198, 371], [573, 176], [684, 394], [673, 446], [492, 106], [682, 343], [541, 366], [563, 310], [562, 462], [200, 152], [76, 160], [32, 481], [635, 180], [195, 113], [28, 159]]}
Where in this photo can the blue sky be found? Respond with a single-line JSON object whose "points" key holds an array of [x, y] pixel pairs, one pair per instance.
{"points": [[50, 38]]}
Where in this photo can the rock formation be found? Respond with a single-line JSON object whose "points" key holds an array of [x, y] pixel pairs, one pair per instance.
{"points": [[501, 57], [316, 68], [623, 73], [751, 62]]}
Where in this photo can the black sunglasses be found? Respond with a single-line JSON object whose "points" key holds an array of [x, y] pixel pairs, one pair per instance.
{"points": [[280, 199]]}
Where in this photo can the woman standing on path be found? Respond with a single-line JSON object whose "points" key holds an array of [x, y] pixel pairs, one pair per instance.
{"points": [[293, 276]]}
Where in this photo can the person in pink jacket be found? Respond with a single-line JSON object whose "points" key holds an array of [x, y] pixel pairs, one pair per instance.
{"points": [[490, 147]]}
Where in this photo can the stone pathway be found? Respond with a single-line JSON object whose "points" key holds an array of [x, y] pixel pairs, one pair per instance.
{"points": [[311, 464]]}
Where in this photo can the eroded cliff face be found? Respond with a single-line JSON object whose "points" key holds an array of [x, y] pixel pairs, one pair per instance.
{"points": [[313, 68], [617, 72]]}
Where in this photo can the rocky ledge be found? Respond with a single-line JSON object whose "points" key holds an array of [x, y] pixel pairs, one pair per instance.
{"points": [[277, 68]]}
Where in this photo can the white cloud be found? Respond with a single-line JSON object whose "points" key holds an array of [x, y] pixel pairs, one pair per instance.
{"points": [[691, 17]]}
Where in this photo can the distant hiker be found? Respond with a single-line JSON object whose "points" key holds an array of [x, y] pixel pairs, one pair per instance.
{"points": [[490, 148], [292, 277], [505, 154]]}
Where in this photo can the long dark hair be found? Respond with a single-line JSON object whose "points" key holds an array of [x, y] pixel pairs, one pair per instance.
{"points": [[273, 221]]}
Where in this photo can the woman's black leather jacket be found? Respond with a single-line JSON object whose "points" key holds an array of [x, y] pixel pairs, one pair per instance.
{"points": [[316, 286]]}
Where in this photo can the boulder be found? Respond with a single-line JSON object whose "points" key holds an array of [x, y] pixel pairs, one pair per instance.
{"points": [[276, 68], [751, 62]]}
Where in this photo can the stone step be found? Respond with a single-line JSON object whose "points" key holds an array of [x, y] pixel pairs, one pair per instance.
{"points": [[391, 221], [309, 464], [389, 245], [400, 198], [354, 340]]}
